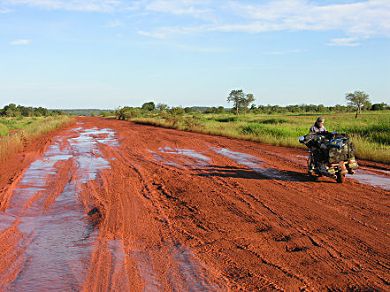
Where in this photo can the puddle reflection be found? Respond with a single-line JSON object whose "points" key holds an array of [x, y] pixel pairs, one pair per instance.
{"points": [[62, 237], [255, 164], [371, 178]]}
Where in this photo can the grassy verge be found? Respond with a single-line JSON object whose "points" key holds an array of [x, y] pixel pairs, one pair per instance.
{"points": [[15, 131], [370, 131]]}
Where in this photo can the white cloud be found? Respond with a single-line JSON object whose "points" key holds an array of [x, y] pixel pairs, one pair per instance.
{"points": [[344, 42], [363, 19], [200, 9], [359, 20], [194, 8], [21, 42], [165, 32], [74, 5]]}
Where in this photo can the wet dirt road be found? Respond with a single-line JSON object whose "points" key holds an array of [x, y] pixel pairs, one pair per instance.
{"points": [[109, 205]]}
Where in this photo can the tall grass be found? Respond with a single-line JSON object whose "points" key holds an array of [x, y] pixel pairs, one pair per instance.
{"points": [[19, 131], [370, 132]]}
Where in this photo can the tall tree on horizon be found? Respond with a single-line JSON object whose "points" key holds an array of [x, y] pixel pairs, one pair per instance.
{"points": [[358, 99], [240, 99]]}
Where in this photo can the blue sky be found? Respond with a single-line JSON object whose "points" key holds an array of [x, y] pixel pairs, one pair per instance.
{"points": [[105, 54]]}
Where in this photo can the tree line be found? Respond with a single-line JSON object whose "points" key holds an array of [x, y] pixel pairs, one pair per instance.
{"points": [[13, 110], [244, 103], [356, 102]]}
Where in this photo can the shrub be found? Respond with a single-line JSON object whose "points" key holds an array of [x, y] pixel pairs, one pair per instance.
{"points": [[227, 119], [274, 121]]}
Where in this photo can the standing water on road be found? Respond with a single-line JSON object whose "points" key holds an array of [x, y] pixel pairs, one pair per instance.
{"points": [[371, 178], [252, 163], [60, 246]]}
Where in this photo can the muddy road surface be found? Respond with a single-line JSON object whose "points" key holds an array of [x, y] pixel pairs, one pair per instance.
{"points": [[110, 205]]}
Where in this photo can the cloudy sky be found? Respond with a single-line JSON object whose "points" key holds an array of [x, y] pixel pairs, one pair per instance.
{"points": [[109, 53]]}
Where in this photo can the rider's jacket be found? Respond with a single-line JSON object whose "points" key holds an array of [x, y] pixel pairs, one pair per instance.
{"points": [[314, 129]]}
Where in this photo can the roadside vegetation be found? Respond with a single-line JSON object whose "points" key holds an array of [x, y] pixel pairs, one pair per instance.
{"points": [[17, 127], [370, 133], [368, 124]]}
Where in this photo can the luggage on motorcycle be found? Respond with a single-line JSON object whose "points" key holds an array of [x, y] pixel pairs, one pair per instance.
{"points": [[331, 154], [340, 148]]}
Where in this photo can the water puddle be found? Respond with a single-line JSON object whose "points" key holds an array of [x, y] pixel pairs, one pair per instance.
{"points": [[6, 221], [61, 236], [189, 270], [59, 254], [365, 176], [146, 271], [161, 159], [86, 150], [119, 278], [371, 178], [184, 274], [200, 159], [254, 164]]}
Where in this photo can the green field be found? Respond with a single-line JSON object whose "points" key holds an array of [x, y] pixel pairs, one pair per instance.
{"points": [[370, 131], [13, 131]]}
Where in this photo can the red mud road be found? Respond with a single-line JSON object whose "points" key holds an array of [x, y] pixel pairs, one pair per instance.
{"points": [[109, 205]]}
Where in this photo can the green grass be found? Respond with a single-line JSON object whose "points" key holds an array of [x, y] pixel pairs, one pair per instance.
{"points": [[3, 130], [14, 131], [370, 132]]}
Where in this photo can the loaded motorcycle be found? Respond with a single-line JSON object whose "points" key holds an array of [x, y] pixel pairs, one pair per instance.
{"points": [[330, 154]]}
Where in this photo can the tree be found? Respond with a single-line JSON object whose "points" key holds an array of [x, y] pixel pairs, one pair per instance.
{"points": [[125, 113], [149, 106], [250, 98], [220, 109], [379, 106], [188, 110], [240, 100], [359, 100], [176, 111], [11, 110], [162, 107], [41, 112]]}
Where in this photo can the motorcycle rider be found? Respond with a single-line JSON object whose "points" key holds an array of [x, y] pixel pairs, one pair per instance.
{"points": [[318, 126], [318, 153]]}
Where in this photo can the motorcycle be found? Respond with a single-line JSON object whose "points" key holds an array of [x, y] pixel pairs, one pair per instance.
{"points": [[330, 155]]}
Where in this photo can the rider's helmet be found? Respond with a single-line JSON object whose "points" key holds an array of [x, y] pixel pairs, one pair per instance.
{"points": [[319, 122]]}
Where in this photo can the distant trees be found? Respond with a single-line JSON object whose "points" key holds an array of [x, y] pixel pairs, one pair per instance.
{"points": [[240, 100], [359, 100], [177, 111], [215, 110], [13, 110], [10, 110], [379, 106], [148, 106], [126, 112], [162, 107]]}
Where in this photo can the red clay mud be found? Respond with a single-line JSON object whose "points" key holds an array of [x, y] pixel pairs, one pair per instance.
{"points": [[112, 205]]}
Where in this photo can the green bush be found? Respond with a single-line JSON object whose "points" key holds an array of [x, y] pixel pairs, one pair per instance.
{"points": [[227, 119], [3, 130], [273, 121]]}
